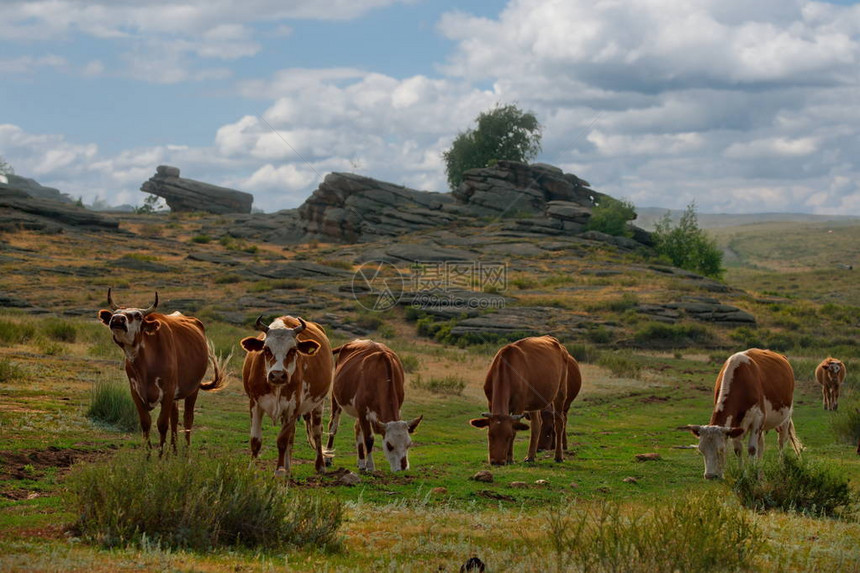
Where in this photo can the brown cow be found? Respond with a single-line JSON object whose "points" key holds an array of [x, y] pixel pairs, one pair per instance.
{"points": [[547, 429], [753, 394], [830, 374], [524, 377], [287, 373], [368, 385], [166, 357]]}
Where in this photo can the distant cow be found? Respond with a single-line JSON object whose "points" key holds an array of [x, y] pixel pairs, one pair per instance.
{"points": [[287, 373], [753, 394], [830, 374], [547, 429], [166, 357], [368, 385], [524, 377]]}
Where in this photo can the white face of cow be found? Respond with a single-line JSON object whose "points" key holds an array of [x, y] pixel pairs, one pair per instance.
{"points": [[127, 324], [396, 441], [713, 441], [834, 368], [280, 348]]}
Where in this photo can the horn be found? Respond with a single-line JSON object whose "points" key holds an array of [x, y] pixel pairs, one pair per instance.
{"points": [[517, 417], [152, 308], [486, 414], [301, 327], [260, 326], [111, 303]]}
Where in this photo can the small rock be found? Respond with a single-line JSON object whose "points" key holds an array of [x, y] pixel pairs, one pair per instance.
{"points": [[603, 489], [483, 476], [439, 490], [574, 485], [520, 484], [652, 457], [542, 482], [630, 479], [349, 478]]}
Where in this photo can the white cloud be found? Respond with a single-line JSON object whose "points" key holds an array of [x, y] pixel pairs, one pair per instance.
{"points": [[30, 64], [772, 147]]}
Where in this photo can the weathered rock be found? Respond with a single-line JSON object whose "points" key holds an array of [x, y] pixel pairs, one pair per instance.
{"points": [[542, 482], [189, 195], [349, 479], [439, 490], [630, 479], [518, 484], [649, 457], [18, 210], [483, 476], [33, 189]]}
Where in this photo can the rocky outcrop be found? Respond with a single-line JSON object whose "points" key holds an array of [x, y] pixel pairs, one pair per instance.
{"points": [[701, 308], [32, 188], [189, 195], [19, 210]]}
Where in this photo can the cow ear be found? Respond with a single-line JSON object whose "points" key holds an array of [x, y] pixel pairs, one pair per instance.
{"points": [[519, 426], [414, 423], [377, 426], [104, 316], [252, 344], [309, 347], [151, 326], [734, 432], [695, 429], [479, 422]]}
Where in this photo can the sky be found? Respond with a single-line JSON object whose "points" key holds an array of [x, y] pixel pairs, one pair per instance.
{"points": [[737, 106]]}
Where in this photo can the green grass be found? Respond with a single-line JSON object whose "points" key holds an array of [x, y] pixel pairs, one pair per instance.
{"points": [[9, 370], [447, 385], [111, 404]]}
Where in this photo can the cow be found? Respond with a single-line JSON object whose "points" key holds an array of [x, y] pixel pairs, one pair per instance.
{"points": [[830, 374], [753, 394], [368, 385], [166, 357], [546, 441], [287, 373], [525, 377]]}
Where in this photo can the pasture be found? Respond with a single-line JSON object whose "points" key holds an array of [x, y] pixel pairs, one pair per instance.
{"points": [[432, 517]]}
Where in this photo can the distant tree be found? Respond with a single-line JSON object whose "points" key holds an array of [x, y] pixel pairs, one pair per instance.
{"points": [[611, 215], [687, 246], [151, 204], [504, 132], [5, 168]]}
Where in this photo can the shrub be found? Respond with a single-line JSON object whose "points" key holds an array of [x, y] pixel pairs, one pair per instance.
{"points": [[611, 215], [197, 502], [15, 333], [846, 422], [111, 404], [790, 483], [449, 385], [410, 363], [687, 246], [368, 321], [9, 370], [694, 533], [583, 352], [675, 335], [61, 330], [201, 239], [620, 363]]}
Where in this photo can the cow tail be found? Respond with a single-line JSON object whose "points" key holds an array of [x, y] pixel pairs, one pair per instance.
{"points": [[219, 369], [792, 436]]}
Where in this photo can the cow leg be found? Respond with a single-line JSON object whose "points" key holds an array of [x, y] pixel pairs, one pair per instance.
{"points": [[163, 422], [174, 425], [535, 435], [560, 431], [188, 417], [256, 429], [315, 433], [367, 433], [359, 446], [285, 446], [145, 418], [564, 434], [333, 424]]}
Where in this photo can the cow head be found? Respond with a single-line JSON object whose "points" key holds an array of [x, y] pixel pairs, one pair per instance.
{"points": [[395, 440], [502, 429], [128, 324], [713, 441], [280, 347]]}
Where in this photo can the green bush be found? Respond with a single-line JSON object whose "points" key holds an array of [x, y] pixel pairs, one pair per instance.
{"points": [[611, 215], [201, 239], [845, 423], [687, 246], [9, 370], [583, 352], [790, 483], [12, 332], [620, 363], [673, 335], [61, 331], [691, 534], [410, 363], [448, 385], [197, 502], [111, 404]]}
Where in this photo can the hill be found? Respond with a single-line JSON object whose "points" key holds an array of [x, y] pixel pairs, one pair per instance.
{"points": [[648, 216]]}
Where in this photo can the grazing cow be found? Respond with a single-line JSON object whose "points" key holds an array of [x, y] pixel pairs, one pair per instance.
{"points": [[547, 429], [830, 374], [287, 373], [166, 357], [368, 385], [525, 377], [753, 394]]}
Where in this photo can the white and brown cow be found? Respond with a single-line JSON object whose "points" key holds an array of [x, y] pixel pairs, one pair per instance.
{"points": [[753, 394], [547, 430], [830, 374], [166, 357], [368, 385], [525, 377], [287, 373]]}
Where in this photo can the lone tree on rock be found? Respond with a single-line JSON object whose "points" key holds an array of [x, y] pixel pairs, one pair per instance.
{"points": [[504, 132]]}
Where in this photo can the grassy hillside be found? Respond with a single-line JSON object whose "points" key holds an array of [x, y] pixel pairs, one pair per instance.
{"points": [[641, 379]]}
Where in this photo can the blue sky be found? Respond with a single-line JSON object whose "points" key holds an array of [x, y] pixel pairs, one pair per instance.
{"points": [[738, 106]]}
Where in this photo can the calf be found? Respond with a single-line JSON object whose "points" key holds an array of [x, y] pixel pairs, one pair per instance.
{"points": [[287, 373], [830, 374], [547, 429], [368, 385], [166, 357], [753, 394], [525, 376]]}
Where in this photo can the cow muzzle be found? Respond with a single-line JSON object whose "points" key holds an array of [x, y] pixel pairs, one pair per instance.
{"points": [[277, 377], [118, 322]]}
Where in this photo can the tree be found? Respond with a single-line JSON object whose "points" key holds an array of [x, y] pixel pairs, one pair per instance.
{"points": [[505, 132], [610, 216], [687, 246], [5, 168]]}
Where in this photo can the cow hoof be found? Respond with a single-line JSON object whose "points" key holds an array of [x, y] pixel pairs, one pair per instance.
{"points": [[329, 462], [559, 460], [529, 460], [280, 473]]}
